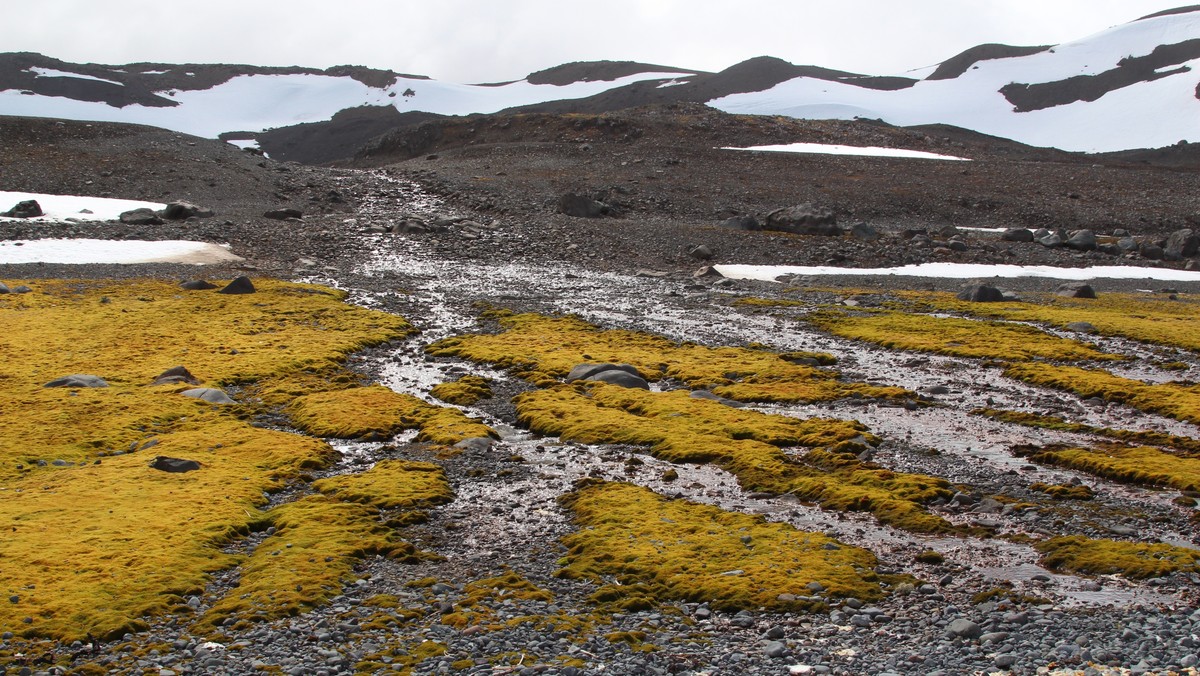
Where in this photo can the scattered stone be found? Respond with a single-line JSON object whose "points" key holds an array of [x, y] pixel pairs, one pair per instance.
{"points": [[197, 285], [174, 465], [1075, 290], [283, 214], [240, 285], [210, 394], [24, 209], [77, 380]]}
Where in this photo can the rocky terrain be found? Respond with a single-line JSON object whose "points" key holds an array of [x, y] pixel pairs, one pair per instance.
{"points": [[440, 221]]}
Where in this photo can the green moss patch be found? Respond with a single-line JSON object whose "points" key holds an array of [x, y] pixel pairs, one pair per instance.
{"points": [[98, 540], [955, 336], [1176, 400], [1147, 318], [391, 484], [543, 349], [465, 391], [1064, 491], [1137, 465], [1135, 560], [679, 550], [745, 443], [378, 411]]}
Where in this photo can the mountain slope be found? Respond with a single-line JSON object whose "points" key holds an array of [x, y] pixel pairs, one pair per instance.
{"points": [[1130, 87]]}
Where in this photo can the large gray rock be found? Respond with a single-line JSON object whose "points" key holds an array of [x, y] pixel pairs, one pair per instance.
{"points": [[621, 378], [1017, 235], [142, 216], [174, 465], [209, 394], [240, 285], [178, 211], [1181, 244], [77, 380], [283, 214], [864, 232], [1082, 240], [4, 289], [585, 371], [981, 293], [1075, 290], [24, 209], [803, 219], [741, 223], [581, 206], [963, 628]]}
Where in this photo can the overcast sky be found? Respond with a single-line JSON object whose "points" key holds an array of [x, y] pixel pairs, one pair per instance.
{"points": [[493, 40]]}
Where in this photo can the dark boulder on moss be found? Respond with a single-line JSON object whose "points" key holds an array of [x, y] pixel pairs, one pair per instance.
{"points": [[585, 371], [621, 378], [1075, 290], [24, 209], [197, 285], [239, 285], [77, 380], [981, 293], [175, 375], [174, 465]]}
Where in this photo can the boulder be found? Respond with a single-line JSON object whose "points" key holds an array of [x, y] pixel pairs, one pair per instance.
{"points": [[77, 380], [981, 293], [21, 288], [1052, 240], [1127, 244], [621, 378], [741, 223], [174, 465], [283, 214], [197, 285], [581, 206], [706, 271], [239, 285], [1075, 290], [178, 211], [175, 375], [475, 444], [701, 252], [804, 219], [1017, 235], [1181, 244], [584, 371], [1081, 327], [1082, 240], [142, 216], [210, 394], [4, 289], [864, 231], [1151, 252], [705, 394], [24, 209]]}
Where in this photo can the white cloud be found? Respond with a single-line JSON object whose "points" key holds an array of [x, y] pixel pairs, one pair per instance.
{"points": [[486, 41]]}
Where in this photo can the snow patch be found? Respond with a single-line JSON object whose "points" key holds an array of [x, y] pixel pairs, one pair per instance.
{"points": [[62, 207], [864, 151], [93, 251], [771, 273], [50, 72]]}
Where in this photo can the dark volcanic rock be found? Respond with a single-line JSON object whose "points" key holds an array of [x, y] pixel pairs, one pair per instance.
{"points": [[803, 219], [1082, 240], [77, 380], [1017, 235], [176, 374], [179, 211], [174, 465], [1181, 244], [197, 285], [24, 209], [619, 377], [741, 223], [584, 371], [283, 214], [239, 285], [1076, 290], [142, 216], [981, 293], [581, 206]]}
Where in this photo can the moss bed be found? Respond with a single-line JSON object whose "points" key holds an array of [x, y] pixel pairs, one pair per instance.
{"points": [[1141, 465], [1135, 560], [97, 541]]}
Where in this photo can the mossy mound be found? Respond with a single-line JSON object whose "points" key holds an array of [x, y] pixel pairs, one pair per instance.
{"points": [[683, 551], [1185, 446], [1143, 317], [544, 349], [1141, 465], [472, 609], [97, 540], [1135, 560], [955, 336], [378, 411], [745, 443], [391, 484], [307, 560], [1176, 400], [466, 391], [1064, 491]]}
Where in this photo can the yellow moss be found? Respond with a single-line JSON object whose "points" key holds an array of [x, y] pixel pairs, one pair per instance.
{"points": [[465, 391], [686, 551], [1064, 491], [1137, 465], [97, 544], [745, 443], [94, 548], [1136, 560], [955, 336], [542, 349], [391, 484], [1186, 446], [769, 302], [377, 410], [1143, 317], [307, 560], [1175, 400]]}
